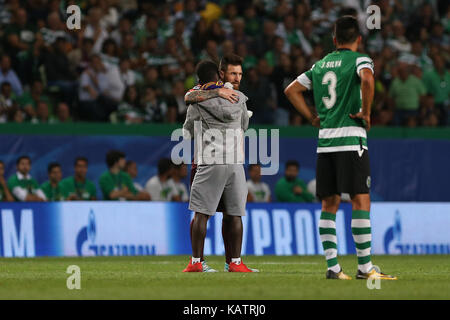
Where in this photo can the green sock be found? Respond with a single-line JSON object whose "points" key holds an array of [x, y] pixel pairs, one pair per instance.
{"points": [[362, 235], [327, 231]]}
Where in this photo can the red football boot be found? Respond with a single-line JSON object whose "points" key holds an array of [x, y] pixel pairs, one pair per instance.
{"points": [[234, 267], [196, 267]]}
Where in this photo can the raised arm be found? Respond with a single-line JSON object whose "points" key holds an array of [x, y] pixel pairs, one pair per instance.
{"points": [[196, 96]]}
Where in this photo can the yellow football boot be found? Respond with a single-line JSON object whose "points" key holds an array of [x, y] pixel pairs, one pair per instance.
{"points": [[374, 274], [337, 275]]}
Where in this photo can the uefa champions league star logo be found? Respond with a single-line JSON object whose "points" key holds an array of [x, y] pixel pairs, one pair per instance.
{"points": [[91, 229], [394, 233]]}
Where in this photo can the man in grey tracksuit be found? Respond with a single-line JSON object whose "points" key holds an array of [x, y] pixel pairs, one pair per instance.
{"points": [[217, 127], [219, 156]]}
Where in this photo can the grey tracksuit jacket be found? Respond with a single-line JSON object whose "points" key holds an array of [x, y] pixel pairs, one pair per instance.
{"points": [[222, 130]]}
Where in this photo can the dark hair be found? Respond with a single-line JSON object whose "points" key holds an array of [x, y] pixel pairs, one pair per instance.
{"points": [[346, 29], [124, 18], [36, 80], [5, 84], [52, 165], [232, 59], [93, 56], [275, 39], [60, 39], [107, 42], [87, 40], [113, 156], [164, 165], [206, 71], [180, 20], [127, 92], [21, 158], [77, 159], [12, 113], [253, 165], [349, 11], [292, 163]]}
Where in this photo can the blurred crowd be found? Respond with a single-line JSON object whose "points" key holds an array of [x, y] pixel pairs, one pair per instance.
{"points": [[133, 61], [119, 182], [116, 183]]}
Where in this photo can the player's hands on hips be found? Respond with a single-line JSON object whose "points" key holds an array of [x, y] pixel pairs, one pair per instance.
{"points": [[228, 94], [364, 118], [315, 121]]}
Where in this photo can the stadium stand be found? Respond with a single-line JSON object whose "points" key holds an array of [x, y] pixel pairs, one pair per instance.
{"points": [[152, 47]]}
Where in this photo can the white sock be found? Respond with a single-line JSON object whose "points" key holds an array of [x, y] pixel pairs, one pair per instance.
{"points": [[336, 268], [195, 260], [365, 268], [327, 232], [236, 260]]}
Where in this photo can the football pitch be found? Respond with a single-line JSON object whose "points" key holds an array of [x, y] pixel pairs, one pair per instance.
{"points": [[161, 277]]}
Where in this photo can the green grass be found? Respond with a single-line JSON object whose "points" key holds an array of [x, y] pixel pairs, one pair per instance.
{"points": [[160, 277]]}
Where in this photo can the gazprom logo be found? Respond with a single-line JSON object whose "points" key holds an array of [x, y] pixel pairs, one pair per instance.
{"points": [[393, 242], [18, 233], [86, 233], [87, 238]]}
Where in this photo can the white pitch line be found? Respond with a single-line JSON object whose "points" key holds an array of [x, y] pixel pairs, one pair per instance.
{"points": [[173, 262], [286, 263]]}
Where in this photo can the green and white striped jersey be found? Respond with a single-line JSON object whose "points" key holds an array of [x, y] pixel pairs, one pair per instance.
{"points": [[337, 93]]}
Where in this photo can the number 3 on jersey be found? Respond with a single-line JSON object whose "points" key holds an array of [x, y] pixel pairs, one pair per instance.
{"points": [[330, 80]]}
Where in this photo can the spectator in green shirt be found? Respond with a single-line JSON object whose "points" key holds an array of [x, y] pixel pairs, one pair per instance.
{"points": [[77, 187], [273, 56], [290, 188], [8, 103], [42, 114], [129, 110], [5, 194], [29, 99], [406, 91], [437, 82], [115, 183], [62, 114], [22, 185], [132, 170], [20, 34], [52, 187]]}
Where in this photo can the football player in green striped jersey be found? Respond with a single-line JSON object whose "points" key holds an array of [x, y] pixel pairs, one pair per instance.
{"points": [[343, 88]]}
